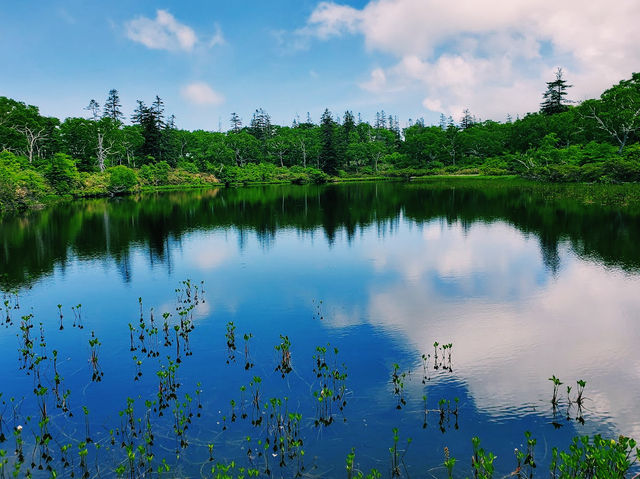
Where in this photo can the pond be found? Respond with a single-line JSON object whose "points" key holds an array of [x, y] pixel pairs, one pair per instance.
{"points": [[281, 326]]}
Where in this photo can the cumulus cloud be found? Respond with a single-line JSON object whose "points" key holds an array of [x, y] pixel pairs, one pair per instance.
{"points": [[199, 93], [490, 56], [165, 32]]}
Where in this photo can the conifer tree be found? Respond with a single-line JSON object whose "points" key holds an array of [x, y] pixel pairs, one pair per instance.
{"points": [[112, 107], [554, 98]]}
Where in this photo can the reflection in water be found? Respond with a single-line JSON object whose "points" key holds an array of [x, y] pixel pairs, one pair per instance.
{"points": [[524, 286], [512, 325], [33, 245]]}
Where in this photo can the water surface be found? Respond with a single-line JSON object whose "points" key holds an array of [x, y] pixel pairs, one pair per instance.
{"points": [[523, 283]]}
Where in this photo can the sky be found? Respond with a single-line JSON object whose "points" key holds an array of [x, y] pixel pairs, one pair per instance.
{"points": [[410, 58]]}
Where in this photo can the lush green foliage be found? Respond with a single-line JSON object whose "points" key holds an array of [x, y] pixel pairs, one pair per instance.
{"points": [[20, 186], [596, 141], [61, 173], [121, 179], [597, 458]]}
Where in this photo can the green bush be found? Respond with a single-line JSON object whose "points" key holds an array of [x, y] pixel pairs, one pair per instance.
{"points": [[121, 179], [20, 186], [620, 170], [188, 166], [155, 174], [592, 172], [61, 173]]}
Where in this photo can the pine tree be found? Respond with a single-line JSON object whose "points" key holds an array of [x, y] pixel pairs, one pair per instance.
{"points": [[157, 109], [236, 122], [151, 119], [112, 107], [467, 119], [443, 122], [328, 153], [94, 108], [554, 101]]}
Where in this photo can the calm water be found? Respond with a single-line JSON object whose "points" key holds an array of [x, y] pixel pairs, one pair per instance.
{"points": [[523, 286]]}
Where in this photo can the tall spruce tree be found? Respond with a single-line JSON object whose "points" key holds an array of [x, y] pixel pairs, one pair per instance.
{"points": [[554, 98], [112, 107], [328, 151], [236, 122]]}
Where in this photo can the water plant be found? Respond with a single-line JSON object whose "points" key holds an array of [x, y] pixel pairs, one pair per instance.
{"points": [[595, 458], [581, 384], [481, 461], [556, 384], [397, 455], [247, 357], [449, 462], [94, 345], [60, 315], [397, 380], [230, 335], [353, 473], [284, 348]]}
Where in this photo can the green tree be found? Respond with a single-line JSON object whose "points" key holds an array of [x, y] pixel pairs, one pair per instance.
{"points": [[617, 113], [61, 173], [554, 98], [113, 107], [328, 153]]}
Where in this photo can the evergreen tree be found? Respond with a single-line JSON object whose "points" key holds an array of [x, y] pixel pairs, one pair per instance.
{"points": [[151, 121], [467, 119], [261, 125], [94, 108], [236, 122], [328, 153], [443, 122], [157, 110], [554, 101], [112, 107]]}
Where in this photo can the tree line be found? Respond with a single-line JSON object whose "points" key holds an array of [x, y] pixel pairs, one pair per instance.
{"points": [[596, 140]]}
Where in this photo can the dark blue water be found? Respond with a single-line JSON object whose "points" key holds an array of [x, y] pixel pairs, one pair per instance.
{"points": [[522, 286]]}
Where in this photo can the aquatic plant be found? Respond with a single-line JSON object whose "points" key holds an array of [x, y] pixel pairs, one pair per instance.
{"points": [[247, 357], [397, 380], [397, 455], [230, 335], [449, 462], [581, 384], [556, 384], [94, 345], [284, 348], [481, 461]]}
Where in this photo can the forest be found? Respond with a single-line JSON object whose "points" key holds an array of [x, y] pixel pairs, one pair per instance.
{"points": [[105, 153]]}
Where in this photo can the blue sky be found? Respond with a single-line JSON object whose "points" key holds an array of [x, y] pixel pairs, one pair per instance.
{"points": [[411, 58]]}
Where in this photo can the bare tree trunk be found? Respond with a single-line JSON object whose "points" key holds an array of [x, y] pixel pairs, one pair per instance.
{"points": [[303, 148], [33, 137], [102, 151]]}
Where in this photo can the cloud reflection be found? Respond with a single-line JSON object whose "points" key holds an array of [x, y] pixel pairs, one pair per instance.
{"points": [[512, 323]]}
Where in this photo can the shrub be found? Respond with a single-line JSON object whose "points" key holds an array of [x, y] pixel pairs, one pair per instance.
{"points": [[121, 179], [20, 186], [61, 173]]}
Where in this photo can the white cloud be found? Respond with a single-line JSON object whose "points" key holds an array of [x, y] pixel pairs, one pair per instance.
{"points": [[166, 33], [217, 38], [490, 56], [377, 82], [162, 33], [199, 93]]}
